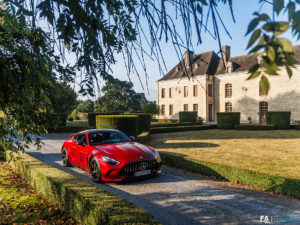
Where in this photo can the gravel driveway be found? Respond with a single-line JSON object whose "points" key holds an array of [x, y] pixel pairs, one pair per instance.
{"points": [[178, 197]]}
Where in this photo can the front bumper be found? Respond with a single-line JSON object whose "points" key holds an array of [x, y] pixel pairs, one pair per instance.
{"points": [[119, 173]]}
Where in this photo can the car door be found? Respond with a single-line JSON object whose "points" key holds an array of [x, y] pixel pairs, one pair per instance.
{"points": [[71, 149], [81, 153]]}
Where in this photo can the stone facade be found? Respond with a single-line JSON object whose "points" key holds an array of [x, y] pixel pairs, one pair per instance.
{"points": [[284, 94]]}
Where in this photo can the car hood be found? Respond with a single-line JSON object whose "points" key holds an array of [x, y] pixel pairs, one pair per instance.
{"points": [[126, 152]]}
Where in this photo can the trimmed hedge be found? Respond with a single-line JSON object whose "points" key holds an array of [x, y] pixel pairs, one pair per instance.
{"points": [[92, 117], [87, 203], [175, 124], [57, 119], [295, 127], [158, 130], [187, 117], [254, 127], [282, 185], [164, 121], [280, 119], [125, 123], [144, 121], [227, 120], [67, 129]]}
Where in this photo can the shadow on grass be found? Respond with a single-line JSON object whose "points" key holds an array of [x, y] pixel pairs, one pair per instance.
{"points": [[187, 145]]}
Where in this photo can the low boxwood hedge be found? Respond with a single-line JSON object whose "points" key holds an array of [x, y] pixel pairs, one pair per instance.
{"points": [[176, 124], [57, 119], [187, 116], [295, 127], [282, 185], [92, 117], [158, 130], [144, 121], [88, 204], [254, 127], [125, 123], [227, 120], [280, 119]]}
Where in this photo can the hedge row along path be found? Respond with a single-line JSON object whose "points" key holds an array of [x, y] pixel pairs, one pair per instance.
{"points": [[20, 204], [178, 197]]}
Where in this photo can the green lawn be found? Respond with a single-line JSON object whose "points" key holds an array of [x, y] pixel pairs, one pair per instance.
{"points": [[274, 152], [20, 204]]}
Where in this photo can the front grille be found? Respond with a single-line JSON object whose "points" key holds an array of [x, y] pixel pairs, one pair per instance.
{"points": [[130, 168]]}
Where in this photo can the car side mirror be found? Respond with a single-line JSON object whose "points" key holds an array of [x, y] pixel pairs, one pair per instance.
{"points": [[132, 138]]}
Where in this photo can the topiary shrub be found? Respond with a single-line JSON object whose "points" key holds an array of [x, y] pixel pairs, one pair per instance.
{"points": [[92, 117], [125, 123], [57, 119], [280, 119], [227, 120], [144, 121], [187, 117]]}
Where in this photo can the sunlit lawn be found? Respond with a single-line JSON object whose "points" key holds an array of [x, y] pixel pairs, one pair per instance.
{"points": [[20, 204], [272, 152]]}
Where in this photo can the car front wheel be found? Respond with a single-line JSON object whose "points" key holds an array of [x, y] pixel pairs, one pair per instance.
{"points": [[65, 158], [95, 170]]}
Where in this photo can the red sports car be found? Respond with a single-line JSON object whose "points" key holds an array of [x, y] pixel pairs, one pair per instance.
{"points": [[109, 155]]}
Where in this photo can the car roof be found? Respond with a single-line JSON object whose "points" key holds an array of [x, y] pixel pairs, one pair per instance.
{"points": [[92, 131]]}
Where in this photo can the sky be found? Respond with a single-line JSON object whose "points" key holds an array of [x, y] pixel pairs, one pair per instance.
{"points": [[243, 12]]}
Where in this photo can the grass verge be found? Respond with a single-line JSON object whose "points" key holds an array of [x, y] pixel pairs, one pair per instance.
{"points": [[87, 203], [158, 130], [23, 205]]}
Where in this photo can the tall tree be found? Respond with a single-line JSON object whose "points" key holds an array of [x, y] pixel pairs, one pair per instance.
{"points": [[119, 96], [86, 106]]}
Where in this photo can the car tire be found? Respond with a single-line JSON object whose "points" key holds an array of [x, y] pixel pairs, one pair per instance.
{"points": [[65, 157], [95, 170]]}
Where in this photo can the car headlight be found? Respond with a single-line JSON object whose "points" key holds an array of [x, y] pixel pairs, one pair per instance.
{"points": [[110, 161], [157, 157]]}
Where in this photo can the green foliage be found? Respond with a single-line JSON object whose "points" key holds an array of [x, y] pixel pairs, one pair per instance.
{"points": [[63, 98], [73, 115], [57, 119], [254, 127], [158, 130], [88, 204], [92, 117], [119, 96], [266, 33], [128, 124], [277, 184], [150, 107], [86, 106], [29, 69], [144, 122], [227, 120], [187, 117], [281, 120]]}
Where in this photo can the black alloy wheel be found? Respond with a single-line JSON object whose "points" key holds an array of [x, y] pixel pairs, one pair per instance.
{"points": [[95, 170], [65, 158]]}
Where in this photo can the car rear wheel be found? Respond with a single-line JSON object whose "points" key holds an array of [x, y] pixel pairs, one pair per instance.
{"points": [[65, 158], [95, 170]]}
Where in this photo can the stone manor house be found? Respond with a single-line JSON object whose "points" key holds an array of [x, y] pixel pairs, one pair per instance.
{"points": [[222, 87]]}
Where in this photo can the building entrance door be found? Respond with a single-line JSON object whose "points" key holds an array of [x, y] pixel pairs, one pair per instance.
{"points": [[263, 108]]}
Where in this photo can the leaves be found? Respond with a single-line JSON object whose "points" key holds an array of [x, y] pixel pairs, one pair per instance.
{"points": [[285, 44], [264, 84], [278, 5], [254, 37]]}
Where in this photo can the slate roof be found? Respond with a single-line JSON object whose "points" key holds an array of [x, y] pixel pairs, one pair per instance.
{"points": [[211, 64], [203, 63]]}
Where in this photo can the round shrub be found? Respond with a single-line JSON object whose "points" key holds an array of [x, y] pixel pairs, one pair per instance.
{"points": [[144, 121], [128, 124], [187, 117], [92, 117], [227, 120], [280, 119]]}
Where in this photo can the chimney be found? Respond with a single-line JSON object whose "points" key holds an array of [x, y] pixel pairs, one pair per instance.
{"points": [[226, 53], [188, 60]]}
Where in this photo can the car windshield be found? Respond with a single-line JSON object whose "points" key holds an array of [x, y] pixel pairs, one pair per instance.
{"points": [[107, 137]]}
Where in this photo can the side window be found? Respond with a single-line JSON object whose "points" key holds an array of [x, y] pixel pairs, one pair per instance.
{"points": [[75, 137], [82, 137]]}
